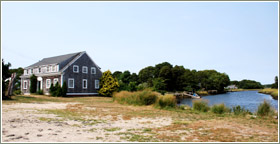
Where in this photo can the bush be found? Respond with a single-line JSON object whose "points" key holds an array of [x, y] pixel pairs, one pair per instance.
{"points": [[17, 92], [166, 101], [33, 84], [145, 97], [40, 92], [265, 109], [200, 105], [108, 84], [64, 89], [219, 109], [237, 110]]}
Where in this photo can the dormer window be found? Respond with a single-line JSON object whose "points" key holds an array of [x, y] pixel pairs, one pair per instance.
{"points": [[48, 68], [76, 69], [53, 68], [39, 70], [85, 69]]}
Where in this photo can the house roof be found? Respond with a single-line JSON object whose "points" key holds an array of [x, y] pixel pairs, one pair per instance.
{"points": [[55, 59]]}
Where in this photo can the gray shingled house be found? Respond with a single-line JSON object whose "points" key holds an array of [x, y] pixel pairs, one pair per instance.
{"points": [[78, 70]]}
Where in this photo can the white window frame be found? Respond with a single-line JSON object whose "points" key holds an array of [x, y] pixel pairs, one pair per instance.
{"points": [[84, 86], [74, 68], [55, 79], [25, 84], [93, 68], [54, 68], [50, 82], [70, 79], [48, 69], [96, 84], [85, 68]]}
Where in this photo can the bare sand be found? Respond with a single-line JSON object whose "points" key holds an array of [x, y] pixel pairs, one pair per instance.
{"points": [[27, 122]]}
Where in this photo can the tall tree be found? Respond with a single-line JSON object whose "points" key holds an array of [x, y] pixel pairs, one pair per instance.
{"points": [[5, 75], [275, 84], [108, 84], [147, 75]]}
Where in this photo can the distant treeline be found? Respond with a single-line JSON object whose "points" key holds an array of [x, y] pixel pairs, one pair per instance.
{"points": [[166, 77], [251, 84]]}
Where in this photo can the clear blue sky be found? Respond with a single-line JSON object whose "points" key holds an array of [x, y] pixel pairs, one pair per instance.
{"points": [[238, 38]]}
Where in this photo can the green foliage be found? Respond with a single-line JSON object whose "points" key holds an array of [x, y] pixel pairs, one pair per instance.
{"points": [[33, 83], [57, 90], [17, 92], [108, 84], [132, 86], [219, 109], [159, 85], [237, 110], [275, 84], [249, 84], [265, 109], [200, 105], [146, 75], [40, 92], [52, 89], [166, 101], [142, 86], [64, 89], [5, 75], [145, 97]]}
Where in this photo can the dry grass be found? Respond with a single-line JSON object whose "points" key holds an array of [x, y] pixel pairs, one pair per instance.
{"points": [[272, 92], [187, 126]]}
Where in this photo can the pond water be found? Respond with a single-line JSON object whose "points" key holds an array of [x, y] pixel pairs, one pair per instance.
{"points": [[248, 99]]}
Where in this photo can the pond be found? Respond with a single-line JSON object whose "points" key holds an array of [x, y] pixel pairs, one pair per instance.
{"points": [[248, 99]]}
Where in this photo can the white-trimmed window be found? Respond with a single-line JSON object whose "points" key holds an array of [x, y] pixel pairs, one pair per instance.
{"points": [[31, 71], [84, 83], [48, 83], [25, 72], [76, 69], [70, 83], [40, 70], [85, 69], [96, 84], [48, 68], [25, 84], [53, 68], [93, 70], [55, 81]]}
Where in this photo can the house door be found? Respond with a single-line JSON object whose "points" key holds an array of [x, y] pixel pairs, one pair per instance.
{"points": [[39, 83]]}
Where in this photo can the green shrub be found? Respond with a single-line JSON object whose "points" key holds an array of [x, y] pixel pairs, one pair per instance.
{"points": [[33, 83], [40, 92], [166, 101], [265, 109], [200, 105], [108, 84], [17, 92], [237, 110], [219, 109], [64, 89]]}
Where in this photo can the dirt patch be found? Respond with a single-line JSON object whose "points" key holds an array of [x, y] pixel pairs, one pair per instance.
{"points": [[26, 122]]}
